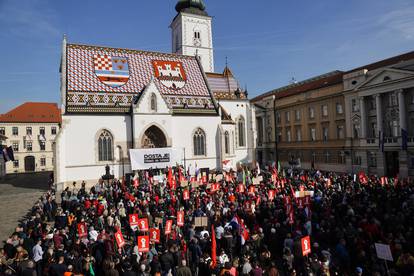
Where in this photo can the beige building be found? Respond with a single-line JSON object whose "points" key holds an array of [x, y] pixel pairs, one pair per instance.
{"points": [[360, 120], [310, 124], [31, 129]]}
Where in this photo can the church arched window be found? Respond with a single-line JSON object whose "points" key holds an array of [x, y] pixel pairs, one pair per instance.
{"points": [[227, 142], [105, 146], [241, 125], [199, 140], [153, 102]]}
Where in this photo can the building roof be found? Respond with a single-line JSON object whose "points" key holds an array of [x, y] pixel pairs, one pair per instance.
{"points": [[225, 86], [332, 78], [321, 81], [191, 6], [33, 112], [91, 87]]}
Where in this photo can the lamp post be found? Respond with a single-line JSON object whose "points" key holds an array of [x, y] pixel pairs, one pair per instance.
{"points": [[276, 142]]}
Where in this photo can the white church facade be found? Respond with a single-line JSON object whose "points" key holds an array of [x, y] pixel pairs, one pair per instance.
{"points": [[114, 100]]}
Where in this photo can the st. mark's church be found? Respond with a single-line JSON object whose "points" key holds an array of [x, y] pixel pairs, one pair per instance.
{"points": [[115, 100]]}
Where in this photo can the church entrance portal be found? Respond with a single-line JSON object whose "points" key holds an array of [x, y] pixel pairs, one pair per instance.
{"points": [[153, 138]]}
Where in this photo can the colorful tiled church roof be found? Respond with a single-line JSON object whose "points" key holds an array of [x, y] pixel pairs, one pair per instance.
{"points": [[33, 112], [103, 79], [225, 86]]}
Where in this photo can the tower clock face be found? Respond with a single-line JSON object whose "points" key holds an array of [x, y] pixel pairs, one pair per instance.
{"points": [[197, 42]]}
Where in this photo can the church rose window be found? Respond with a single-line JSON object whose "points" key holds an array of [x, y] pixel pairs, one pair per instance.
{"points": [[199, 142], [105, 146]]}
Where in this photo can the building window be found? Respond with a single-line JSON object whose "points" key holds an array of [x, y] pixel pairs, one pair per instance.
{"points": [[199, 142], [287, 116], [15, 146], [324, 110], [341, 157], [279, 135], [373, 130], [105, 146], [327, 155], [313, 134], [197, 35], [297, 115], [392, 99], [53, 130], [372, 159], [311, 112], [325, 133], [16, 163], [43, 161], [29, 146], [28, 130], [356, 130], [339, 109], [15, 131], [227, 142], [154, 102], [355, 105], [42, 145], [2, 131], [357, 160], [298, 135], [278, 120], [259, 121], [288, 135], [241, 132], [340, 132], [42, 131], [393, 128]]}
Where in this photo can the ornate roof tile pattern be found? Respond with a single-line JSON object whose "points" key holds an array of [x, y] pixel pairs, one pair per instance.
{"points": [[86, 93], [225, 85]]}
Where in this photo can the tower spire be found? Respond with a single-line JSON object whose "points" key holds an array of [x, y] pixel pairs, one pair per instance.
{"points": [[191, 6]]}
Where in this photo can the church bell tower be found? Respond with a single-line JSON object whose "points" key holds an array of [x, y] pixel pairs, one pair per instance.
{"points": [[192, 33]]}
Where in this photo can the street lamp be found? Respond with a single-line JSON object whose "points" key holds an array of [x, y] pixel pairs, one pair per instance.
{"points": [[275, 126]]}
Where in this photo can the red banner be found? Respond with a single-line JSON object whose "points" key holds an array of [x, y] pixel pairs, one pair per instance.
{"points": [[252, 190], [271, 194], [119, 239], [306, 245], [215, 187], [180, 218], [186, 194], [133, 220], [143, 224], [143, 244], [155, 235], [136, 183], [240, 188], [82, 232], [168, 227]]}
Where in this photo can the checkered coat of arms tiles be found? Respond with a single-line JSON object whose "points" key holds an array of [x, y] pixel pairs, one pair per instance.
{"points": [[103, 79]]}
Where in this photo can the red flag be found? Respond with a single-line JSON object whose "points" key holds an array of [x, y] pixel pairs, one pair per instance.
{"points": [[136, 182], [240, 188], [186, 194], [155, 235], [82, 230], [168, 226], [170, 176], [306, 246], [143, 224], [180, 218], [213, 248], [252, 189], [143, 244], [271, 194], [133, 220], [119, 239]]}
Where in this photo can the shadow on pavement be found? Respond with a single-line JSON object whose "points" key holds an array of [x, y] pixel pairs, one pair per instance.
{"points": [[36, 181]]}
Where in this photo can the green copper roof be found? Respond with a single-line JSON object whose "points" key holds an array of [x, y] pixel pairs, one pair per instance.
{"points": [[191, 6]]}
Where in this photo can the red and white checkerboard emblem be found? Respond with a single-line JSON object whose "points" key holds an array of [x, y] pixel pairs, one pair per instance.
{"points": [[111, 70]]}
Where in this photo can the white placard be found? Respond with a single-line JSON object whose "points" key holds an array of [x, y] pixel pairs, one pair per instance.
{"points": [[143, 159], [383, 251]]}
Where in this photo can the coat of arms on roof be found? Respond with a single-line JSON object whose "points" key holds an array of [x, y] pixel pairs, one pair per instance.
{"points": [[170, 73], [111, 70]]}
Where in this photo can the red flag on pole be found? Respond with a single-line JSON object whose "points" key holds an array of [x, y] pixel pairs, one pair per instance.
{"points": [[82, 230], [168, 226], [143, 244], [213, 248], [155, 235], [143, 224], [119, 239], [180, 218]]}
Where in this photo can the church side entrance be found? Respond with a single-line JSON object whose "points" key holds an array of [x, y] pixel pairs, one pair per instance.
{"points": [[153, 138]]}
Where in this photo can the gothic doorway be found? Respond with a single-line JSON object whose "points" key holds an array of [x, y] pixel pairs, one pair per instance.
{"points": [[153, 138]]}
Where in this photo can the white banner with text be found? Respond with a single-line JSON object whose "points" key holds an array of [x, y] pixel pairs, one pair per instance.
{"points": [[143, 159]]}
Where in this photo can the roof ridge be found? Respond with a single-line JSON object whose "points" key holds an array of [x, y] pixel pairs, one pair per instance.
{"points": [[129, 49]]}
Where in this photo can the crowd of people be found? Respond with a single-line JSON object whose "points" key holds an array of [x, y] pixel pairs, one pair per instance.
{"points": [[249, 222]]}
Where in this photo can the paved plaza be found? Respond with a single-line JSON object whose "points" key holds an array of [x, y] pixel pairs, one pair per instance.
{"points": [[18, 193]]}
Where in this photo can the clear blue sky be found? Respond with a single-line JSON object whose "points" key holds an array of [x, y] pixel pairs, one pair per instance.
{"points": [[267, 41]]}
